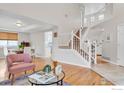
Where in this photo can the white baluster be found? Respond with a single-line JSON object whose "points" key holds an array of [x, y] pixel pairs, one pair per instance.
{"points": [[90, 54], [72, 40]]}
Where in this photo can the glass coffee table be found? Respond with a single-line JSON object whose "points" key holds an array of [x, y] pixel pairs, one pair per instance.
{"points": [[57, 80]]}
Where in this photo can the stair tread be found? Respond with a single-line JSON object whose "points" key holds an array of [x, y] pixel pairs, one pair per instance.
{"points": [[64, 47]]}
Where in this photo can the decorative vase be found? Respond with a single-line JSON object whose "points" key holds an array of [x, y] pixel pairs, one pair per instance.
{"points": [[47, 69]]}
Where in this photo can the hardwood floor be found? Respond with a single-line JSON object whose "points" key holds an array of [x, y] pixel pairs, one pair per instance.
{"points": [[75, 75]]}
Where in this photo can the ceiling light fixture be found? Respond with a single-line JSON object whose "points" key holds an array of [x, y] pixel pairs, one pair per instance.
{"points": [[19, 23]]}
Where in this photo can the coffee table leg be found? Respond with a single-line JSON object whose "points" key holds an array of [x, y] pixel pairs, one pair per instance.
{"points": [[61, 82], [31, 84], [57, 83]]}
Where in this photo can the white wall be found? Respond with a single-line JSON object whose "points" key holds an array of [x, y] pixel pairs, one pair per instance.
{"points": [[110, 27], [23, 37], [37, 42], [110, 47]]}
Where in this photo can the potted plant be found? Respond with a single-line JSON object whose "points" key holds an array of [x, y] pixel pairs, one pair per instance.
{"points": [[21, 47]]}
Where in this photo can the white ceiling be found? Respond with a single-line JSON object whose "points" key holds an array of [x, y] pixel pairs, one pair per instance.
{"points": [[8, 22], [34, 16]]}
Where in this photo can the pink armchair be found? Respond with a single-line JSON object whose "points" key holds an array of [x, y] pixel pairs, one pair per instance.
{"points": [[19, 63]]}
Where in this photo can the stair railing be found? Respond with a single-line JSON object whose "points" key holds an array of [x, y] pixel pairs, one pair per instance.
{"points": [[86, 49]]}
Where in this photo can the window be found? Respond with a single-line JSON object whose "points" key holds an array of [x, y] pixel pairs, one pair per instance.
{"points": [[3, 43], [8, 43], [12, 43], [92, 19], [85, 20], [101, 17]]}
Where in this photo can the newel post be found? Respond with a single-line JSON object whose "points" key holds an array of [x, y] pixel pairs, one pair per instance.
{"points": [[90, 53]]}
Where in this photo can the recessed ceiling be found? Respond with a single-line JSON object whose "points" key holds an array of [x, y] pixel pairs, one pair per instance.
{"points": [[18, 23]]}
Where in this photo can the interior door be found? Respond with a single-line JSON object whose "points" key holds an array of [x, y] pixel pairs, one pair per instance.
{"points": [[121, 45], [48, 44]]}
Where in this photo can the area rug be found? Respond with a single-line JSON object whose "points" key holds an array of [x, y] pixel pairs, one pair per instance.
{"points": [[111, 72], [22, 81]]}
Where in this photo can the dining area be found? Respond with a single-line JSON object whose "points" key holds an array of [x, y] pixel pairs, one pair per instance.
{"points": [[4, 51], [10, 43]]}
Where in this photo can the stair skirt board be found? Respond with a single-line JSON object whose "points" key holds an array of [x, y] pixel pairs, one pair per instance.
{"points": [[70, 63], [78, 61]]}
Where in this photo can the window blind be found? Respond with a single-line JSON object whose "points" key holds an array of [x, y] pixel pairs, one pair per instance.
{"points": [[8, 36]]}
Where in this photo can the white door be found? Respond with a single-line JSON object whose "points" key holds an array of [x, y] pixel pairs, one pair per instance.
{"points": [[48, 44], [120, 57], [99, 49]]}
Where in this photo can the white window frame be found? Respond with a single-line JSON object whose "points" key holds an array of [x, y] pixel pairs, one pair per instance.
{"points": [[92, 19], [101, 17]]}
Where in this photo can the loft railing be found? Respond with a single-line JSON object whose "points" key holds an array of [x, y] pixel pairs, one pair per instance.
{"points": [[103, 14]]}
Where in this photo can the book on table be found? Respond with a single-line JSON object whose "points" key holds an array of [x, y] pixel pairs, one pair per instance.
{"points": [[42, 77]]}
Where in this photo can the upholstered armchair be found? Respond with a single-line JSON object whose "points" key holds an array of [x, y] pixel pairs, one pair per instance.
{"points": [[19, 63]]}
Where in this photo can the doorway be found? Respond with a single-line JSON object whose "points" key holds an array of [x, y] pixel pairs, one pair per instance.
{"points": [[120, 45], [48, 44]]}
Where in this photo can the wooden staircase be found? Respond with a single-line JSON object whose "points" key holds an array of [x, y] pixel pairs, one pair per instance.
{"points": [[80, 42], [86, 49]]}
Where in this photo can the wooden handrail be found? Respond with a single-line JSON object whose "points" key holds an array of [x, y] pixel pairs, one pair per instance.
{"points": [[89, 55], [76, 36]]}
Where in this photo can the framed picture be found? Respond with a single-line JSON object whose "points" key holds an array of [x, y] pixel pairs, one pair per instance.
{"points": [[55, 34], [58, 69]]}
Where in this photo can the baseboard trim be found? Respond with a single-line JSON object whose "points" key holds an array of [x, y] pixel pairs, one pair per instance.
{"points": [[109, 61], [99, 55]]}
